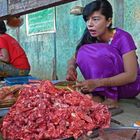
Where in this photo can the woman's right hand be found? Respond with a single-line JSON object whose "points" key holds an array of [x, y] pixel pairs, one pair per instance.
{"points": [[71, 74]]}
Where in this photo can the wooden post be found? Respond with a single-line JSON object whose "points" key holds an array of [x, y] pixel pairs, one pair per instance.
{"points": [[119, 13]]}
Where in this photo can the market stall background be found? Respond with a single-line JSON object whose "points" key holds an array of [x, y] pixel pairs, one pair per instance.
{"points": [[48, 52], [49, 47]]}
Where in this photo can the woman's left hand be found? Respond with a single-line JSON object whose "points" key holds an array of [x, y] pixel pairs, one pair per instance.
{"points": [[87, 85]]}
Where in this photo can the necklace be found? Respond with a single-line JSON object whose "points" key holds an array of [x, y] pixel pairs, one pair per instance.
{"points": [[110, 40]]}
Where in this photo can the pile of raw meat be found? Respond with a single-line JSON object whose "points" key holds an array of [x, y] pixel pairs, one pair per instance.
{"points": [[45, 112]]}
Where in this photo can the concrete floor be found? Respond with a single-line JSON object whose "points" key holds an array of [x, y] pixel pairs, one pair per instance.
{"points": [[131, 111]]}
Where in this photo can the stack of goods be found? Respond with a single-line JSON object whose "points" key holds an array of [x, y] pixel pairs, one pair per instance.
{"points": [[8, 95], [43, 111]]}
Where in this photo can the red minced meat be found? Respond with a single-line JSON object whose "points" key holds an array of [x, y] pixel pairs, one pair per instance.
{"points": [[43, 111]]}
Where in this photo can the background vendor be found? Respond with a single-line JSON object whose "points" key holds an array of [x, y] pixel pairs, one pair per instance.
{"points": [[13, 60]]}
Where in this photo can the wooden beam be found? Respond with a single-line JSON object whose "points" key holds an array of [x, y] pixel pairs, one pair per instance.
{"points": [[119, 13], [21, 7]]}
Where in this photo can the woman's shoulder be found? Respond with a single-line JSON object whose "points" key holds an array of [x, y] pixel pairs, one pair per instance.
{"points": [[4, 36], [124, 41], [122, 35], [121, 32]]}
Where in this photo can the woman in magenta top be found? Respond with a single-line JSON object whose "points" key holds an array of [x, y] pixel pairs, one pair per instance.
{"points": [[106, 57], [13, 60]]}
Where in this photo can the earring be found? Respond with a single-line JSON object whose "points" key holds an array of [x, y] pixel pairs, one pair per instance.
{"points": [[107, 26]]}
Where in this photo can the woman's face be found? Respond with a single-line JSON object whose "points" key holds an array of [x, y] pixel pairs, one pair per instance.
{"points": [[97, 24]]}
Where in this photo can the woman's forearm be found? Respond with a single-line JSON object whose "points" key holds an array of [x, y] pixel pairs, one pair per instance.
{"points": [[71, 70], [118, 80], [72, 63]]}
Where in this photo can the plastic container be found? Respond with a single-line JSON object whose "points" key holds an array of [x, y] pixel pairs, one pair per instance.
{"points": [[3, 111], [19, 80]]}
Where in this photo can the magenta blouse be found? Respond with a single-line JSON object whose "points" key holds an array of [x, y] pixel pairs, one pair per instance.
{"points": [[101, 60]]}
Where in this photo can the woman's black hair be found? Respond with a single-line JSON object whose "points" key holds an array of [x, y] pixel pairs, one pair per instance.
{"points": [[2, 27], [106, 9]]}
